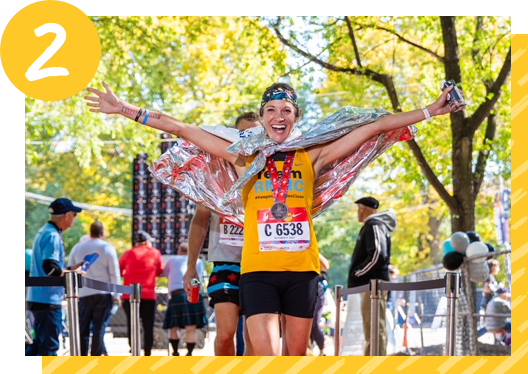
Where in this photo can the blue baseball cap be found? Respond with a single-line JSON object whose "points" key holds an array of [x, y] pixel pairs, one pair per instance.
{"points": [[502, 290], [63, 205]]}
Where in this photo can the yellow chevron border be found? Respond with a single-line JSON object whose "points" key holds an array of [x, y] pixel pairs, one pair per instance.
{"points": [[366, 365]]}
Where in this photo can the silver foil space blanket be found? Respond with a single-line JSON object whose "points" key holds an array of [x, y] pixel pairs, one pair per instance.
{"points": [[213, 182]]}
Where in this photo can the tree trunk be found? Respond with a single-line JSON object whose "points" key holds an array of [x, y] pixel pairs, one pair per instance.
{"points": [[434, 227], [463, 218]]}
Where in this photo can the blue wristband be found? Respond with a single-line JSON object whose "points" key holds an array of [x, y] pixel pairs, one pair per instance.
{"points": [[146, 117]]}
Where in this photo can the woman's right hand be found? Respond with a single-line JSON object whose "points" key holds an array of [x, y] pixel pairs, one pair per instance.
{"points": [[105, 102]]}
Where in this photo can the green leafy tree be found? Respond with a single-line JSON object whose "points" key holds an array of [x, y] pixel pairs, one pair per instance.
{"points": [[204, 70], [398, 63]]}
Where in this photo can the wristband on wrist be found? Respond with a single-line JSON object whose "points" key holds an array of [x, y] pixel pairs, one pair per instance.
{"points": [[138, 114], [427, 114], [146, 116]]}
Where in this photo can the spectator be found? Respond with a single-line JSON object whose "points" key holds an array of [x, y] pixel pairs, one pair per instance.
{"points": [[182, 314], [94, 305], [225, 251], [107, 322], [488, 292], [371, 261], [401, 311], [48, 260], [142, 264], [499, 305], [84, 238], [28, 261], [317, 336], [393, 278], [29, 315], [490, 284]]}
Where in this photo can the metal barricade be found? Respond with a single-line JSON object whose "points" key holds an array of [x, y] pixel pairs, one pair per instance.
{"points": [[72, 281], [451, 284]]}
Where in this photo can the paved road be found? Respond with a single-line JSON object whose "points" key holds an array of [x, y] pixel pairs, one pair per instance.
{"points": [[120, 347]]}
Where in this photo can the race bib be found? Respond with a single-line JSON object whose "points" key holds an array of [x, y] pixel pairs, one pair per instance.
{"points": [[231, 233], [291, 234]]}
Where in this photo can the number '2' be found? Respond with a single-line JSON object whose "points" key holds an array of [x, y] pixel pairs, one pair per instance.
{"points": [[34, 73]]}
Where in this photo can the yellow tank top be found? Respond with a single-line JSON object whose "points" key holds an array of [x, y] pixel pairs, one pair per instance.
{"points": [[283, 237]]}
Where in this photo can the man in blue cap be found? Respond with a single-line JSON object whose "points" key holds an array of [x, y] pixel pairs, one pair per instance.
{"points": [[48, 260]]}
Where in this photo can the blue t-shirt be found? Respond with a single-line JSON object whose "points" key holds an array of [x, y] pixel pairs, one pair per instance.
{"points": [[47, 245], [28, 259]]}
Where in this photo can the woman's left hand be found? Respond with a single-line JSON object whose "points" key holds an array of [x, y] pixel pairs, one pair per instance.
{"points": [[441, 105]]}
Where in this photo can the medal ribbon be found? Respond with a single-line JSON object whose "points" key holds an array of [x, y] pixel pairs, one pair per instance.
{"points": [[280, 186]]}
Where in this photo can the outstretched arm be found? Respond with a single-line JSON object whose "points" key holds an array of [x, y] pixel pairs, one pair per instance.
{"points": [[107, 102], [322, 155]]}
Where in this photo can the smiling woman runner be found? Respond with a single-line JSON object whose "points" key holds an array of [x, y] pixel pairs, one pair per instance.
{"points": [[280, 258]]}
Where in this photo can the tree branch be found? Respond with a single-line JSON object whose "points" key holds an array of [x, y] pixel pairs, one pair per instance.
{"points": [[428, 51], [431, 176], [475, 55], [353, 39], [493, 96], [365, 72]]}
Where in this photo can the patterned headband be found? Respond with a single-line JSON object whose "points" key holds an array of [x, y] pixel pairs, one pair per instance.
{"points": [[279, 94]]}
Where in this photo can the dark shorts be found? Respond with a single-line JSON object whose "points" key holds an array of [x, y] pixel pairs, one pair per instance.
{"points": [[285, 292], [181, 313], [223, 283]]}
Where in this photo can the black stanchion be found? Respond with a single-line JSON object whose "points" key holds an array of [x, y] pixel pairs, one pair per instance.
{"points": [[452, 286], [73, 280], [135, 298], [337, 325], [374, 316]]}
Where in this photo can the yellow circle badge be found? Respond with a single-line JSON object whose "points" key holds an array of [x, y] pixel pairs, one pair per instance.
{"points": [[50, 50]]}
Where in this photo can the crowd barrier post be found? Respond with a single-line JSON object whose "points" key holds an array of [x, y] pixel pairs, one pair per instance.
{"points": [[337, 324], [135, 299], [374, 317], [73, 279], [452, 280]]}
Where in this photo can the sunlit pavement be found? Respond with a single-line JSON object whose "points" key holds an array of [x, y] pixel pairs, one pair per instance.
{"points": [[120, 347]]}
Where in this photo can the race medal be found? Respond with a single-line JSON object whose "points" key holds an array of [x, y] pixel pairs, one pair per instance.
{"points": [[279, 186], [279, 211]]}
